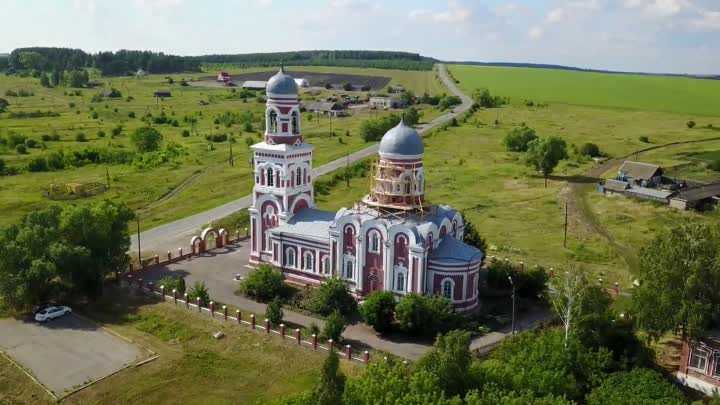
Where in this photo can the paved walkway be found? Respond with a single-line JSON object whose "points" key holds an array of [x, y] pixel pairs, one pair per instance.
{"points": [[176, 234]]}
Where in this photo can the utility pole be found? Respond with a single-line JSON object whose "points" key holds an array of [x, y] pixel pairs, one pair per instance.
{"points": [[107, 177], [231, 160], [137, 218], [566, 224], [512, 327], [347, 170]]}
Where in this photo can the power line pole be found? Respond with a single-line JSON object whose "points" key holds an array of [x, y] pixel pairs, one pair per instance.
{"points": [[347, 170], [512, 327], [230, 159], [137, 219], [566, 224]]}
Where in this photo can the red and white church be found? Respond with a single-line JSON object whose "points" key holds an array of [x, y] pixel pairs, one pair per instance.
{"points": [[391, 240]]}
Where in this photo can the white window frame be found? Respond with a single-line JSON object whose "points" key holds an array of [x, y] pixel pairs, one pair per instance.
{"points": [[290, 253], [348, 259], [325, 264], [452, 288], [374, 242], [305, 266], [701, 354]]}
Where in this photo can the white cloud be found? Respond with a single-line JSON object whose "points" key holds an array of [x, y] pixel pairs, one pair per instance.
{"points": [[556, 15], [661, 8], [455, 13], [535, 33], [708, 20]]}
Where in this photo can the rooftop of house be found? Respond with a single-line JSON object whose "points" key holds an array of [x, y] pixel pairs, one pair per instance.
{"points": [[639, 170], [701, 192]]}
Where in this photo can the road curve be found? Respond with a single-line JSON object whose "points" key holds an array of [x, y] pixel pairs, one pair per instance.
{"points": [[176, 234]]}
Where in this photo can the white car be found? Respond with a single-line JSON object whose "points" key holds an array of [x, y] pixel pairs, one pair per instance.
{"points": [[51, 312]]}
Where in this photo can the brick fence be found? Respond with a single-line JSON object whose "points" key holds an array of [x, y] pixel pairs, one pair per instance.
{"points": [[263, 326]]}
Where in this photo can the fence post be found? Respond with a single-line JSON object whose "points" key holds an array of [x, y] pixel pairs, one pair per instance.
{"points": [[212, 309], [198, 304], [366, 356], [330, 344], [169, 256], [179, 253], [348, 352], [282, 330], [157, 259], [267, 325], [162, 292], [225, 311], [314, 341], [187, 301], [175, 296], [252, 321], [297, 336], [239, 316]]}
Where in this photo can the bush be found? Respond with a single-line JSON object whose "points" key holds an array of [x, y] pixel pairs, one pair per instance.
{"points": [[101, 134], [38, 164], [590, 149], [333, 295], [146, 139], [31, 143], [173, 283], [411, 116], [518, 138], [529, 283], [274, 312], [644, 139], [199, 290], [690, 124], [185, 133], [424, 315], [715, 165], [46, 138], [95, 115], [448, 102], [263, 284], [373, 129], [131, 114], [80, 137], [639, 386], [377, 310], [216, 137], [21, 149], [486, 100], [116, 131], [334, 326]]}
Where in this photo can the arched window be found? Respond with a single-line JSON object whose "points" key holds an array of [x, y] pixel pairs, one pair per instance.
{"points": [[298, 180], [295, 123], [304, 179], [270, 177], [348, 268], [447, 289], [374, 245], [326, 265], [272, 121], [290, 257], [400, 282], [308, 261]]}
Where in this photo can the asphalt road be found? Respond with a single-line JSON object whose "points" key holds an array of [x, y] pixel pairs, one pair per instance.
{"points": [[66, 352], [178, 233]]}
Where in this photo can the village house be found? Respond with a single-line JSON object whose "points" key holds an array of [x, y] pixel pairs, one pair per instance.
{"points": [[385, 103], [700, 364], [223, 77], [334, 109], [392, 240], [254, 84]]}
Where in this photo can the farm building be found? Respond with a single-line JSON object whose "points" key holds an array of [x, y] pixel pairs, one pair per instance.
{"points": [[700, 364], [254, 85], [386, 102], [331, 108], [393, 240], [647, 181]]}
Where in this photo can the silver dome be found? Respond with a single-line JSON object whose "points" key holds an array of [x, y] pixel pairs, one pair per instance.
{"points": [[401, 140], [282, 83]]}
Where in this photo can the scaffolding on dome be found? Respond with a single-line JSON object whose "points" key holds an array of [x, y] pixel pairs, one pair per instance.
{"points": [[380, 197]]}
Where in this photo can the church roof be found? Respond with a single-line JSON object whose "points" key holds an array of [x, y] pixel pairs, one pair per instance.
{"points": [[282, 84], [308, 222], [451, 250], [401, 140]]}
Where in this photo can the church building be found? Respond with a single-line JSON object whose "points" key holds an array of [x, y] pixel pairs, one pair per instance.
{"points": [[392, 240]]}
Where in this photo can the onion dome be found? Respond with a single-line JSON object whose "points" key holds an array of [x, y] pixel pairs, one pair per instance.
{"points": [[282, 84], [401, 140]]}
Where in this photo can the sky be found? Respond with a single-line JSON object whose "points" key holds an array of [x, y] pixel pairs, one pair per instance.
{"points": [[671, 36]]}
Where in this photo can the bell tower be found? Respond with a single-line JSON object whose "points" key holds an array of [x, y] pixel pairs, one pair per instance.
{"points": [[282, 167]]}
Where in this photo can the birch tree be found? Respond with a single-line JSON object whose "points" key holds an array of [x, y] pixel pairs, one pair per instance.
{"points": [[565, 292]]}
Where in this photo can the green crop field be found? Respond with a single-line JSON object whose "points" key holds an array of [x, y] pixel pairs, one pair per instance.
{"points": [[692, 97], [468, 168], [164, 186]]}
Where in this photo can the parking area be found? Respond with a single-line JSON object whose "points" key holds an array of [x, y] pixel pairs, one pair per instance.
{"points": [[67, 352]]}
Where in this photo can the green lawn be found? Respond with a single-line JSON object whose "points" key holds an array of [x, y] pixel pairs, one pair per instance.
{"points": [[692, 97], [200, 180], [468, 168], [193, 368]]}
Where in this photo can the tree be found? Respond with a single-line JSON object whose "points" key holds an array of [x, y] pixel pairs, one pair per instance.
{"points": [[407, 98], [263, 284], [690, 124], [3, 104], [492, 395], [518, 139], [146, 139], [44, 80], [679, 276], [424, 315], [639, 386], [329, 390], [334, 326], [411, 116], [449, 360], [485, 99], [545, 154], [590, 149], [567, 288], [373, 129], [333, 295], [32, 60], [274, 312], [472, 237], [377, 310]]}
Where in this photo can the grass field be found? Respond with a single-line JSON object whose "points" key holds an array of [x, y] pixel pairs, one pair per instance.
{"points": [[691, 97], [193, 368], [200, 179], [468, 168]]}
